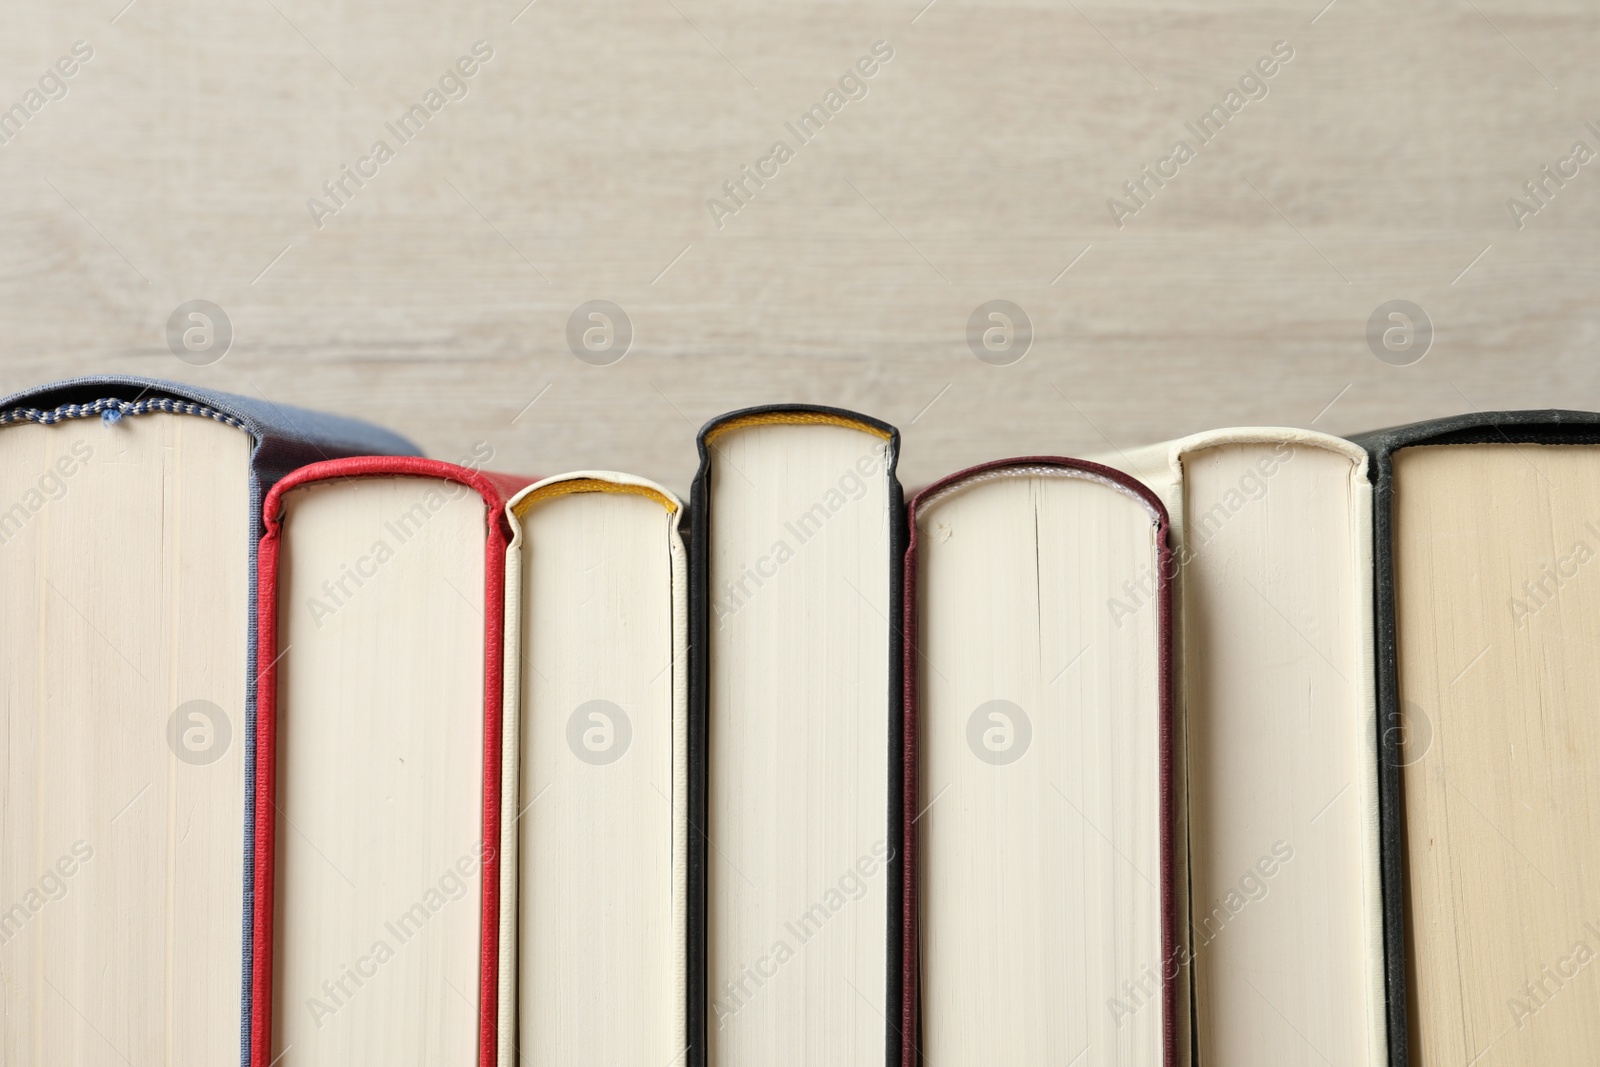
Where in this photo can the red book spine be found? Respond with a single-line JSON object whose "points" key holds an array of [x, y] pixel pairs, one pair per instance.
{"points": [[495, 489]]}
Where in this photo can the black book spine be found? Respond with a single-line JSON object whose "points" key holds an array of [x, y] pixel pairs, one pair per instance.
{"points": [[697, 532], [1501, 427], [1391, 811], [894, 973]]}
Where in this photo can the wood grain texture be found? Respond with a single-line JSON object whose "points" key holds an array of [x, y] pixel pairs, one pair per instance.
{"points": [[977, 167]]}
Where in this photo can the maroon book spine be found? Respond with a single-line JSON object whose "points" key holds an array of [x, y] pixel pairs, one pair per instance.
{"points": [[910, 1010]]}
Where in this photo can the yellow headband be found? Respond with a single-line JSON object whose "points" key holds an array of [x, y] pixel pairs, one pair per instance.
{"points": [[793, 418], [591, 485]]}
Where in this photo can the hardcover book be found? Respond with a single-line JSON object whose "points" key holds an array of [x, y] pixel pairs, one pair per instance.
{"points": [[594, 809], [1487, 618], [377, 880], [129, 520], [1038, 790], [795, 749], [1276, 738]]}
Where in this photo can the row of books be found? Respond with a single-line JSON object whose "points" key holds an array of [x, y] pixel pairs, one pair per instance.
{"points": [[1261, 746]]}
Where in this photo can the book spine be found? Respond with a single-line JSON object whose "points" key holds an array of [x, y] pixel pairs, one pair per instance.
{"points": [[700, 517], [494, 599], [492, 489], [909, 998], [899, 915], [1495, 427], [698, 521], [910, 950], [1391, 839]]}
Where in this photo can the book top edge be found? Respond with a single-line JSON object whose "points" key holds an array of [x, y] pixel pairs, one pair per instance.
{"points": [[796, 415], [1534, 426], [591, 481], [1028, 466], [112, 396], [495, 488]]}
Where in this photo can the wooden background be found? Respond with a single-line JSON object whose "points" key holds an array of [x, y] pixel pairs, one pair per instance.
{"points": [[978, 167]]}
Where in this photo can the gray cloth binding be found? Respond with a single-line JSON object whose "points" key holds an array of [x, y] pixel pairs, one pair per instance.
{"points": [[285, 438]]}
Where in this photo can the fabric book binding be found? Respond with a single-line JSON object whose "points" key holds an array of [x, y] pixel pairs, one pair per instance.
{"points": [[594, 824], [169, 443], [1275, 742], [1483, 525], [403, 501], [795, 740], [1033, 729]]}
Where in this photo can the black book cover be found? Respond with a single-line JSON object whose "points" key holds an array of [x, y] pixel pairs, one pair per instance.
{"points": [[697, 532], [1548, 427]]}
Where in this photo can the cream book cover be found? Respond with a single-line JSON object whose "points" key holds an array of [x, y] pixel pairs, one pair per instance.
{"points": [[1272, 532], [594, 829]]}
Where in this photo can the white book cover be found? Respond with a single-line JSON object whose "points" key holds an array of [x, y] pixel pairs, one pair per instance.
{"points": [[1277, 730]]}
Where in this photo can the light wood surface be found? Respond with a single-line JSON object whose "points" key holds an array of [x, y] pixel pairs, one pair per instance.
{"points": [[978, 167]]}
